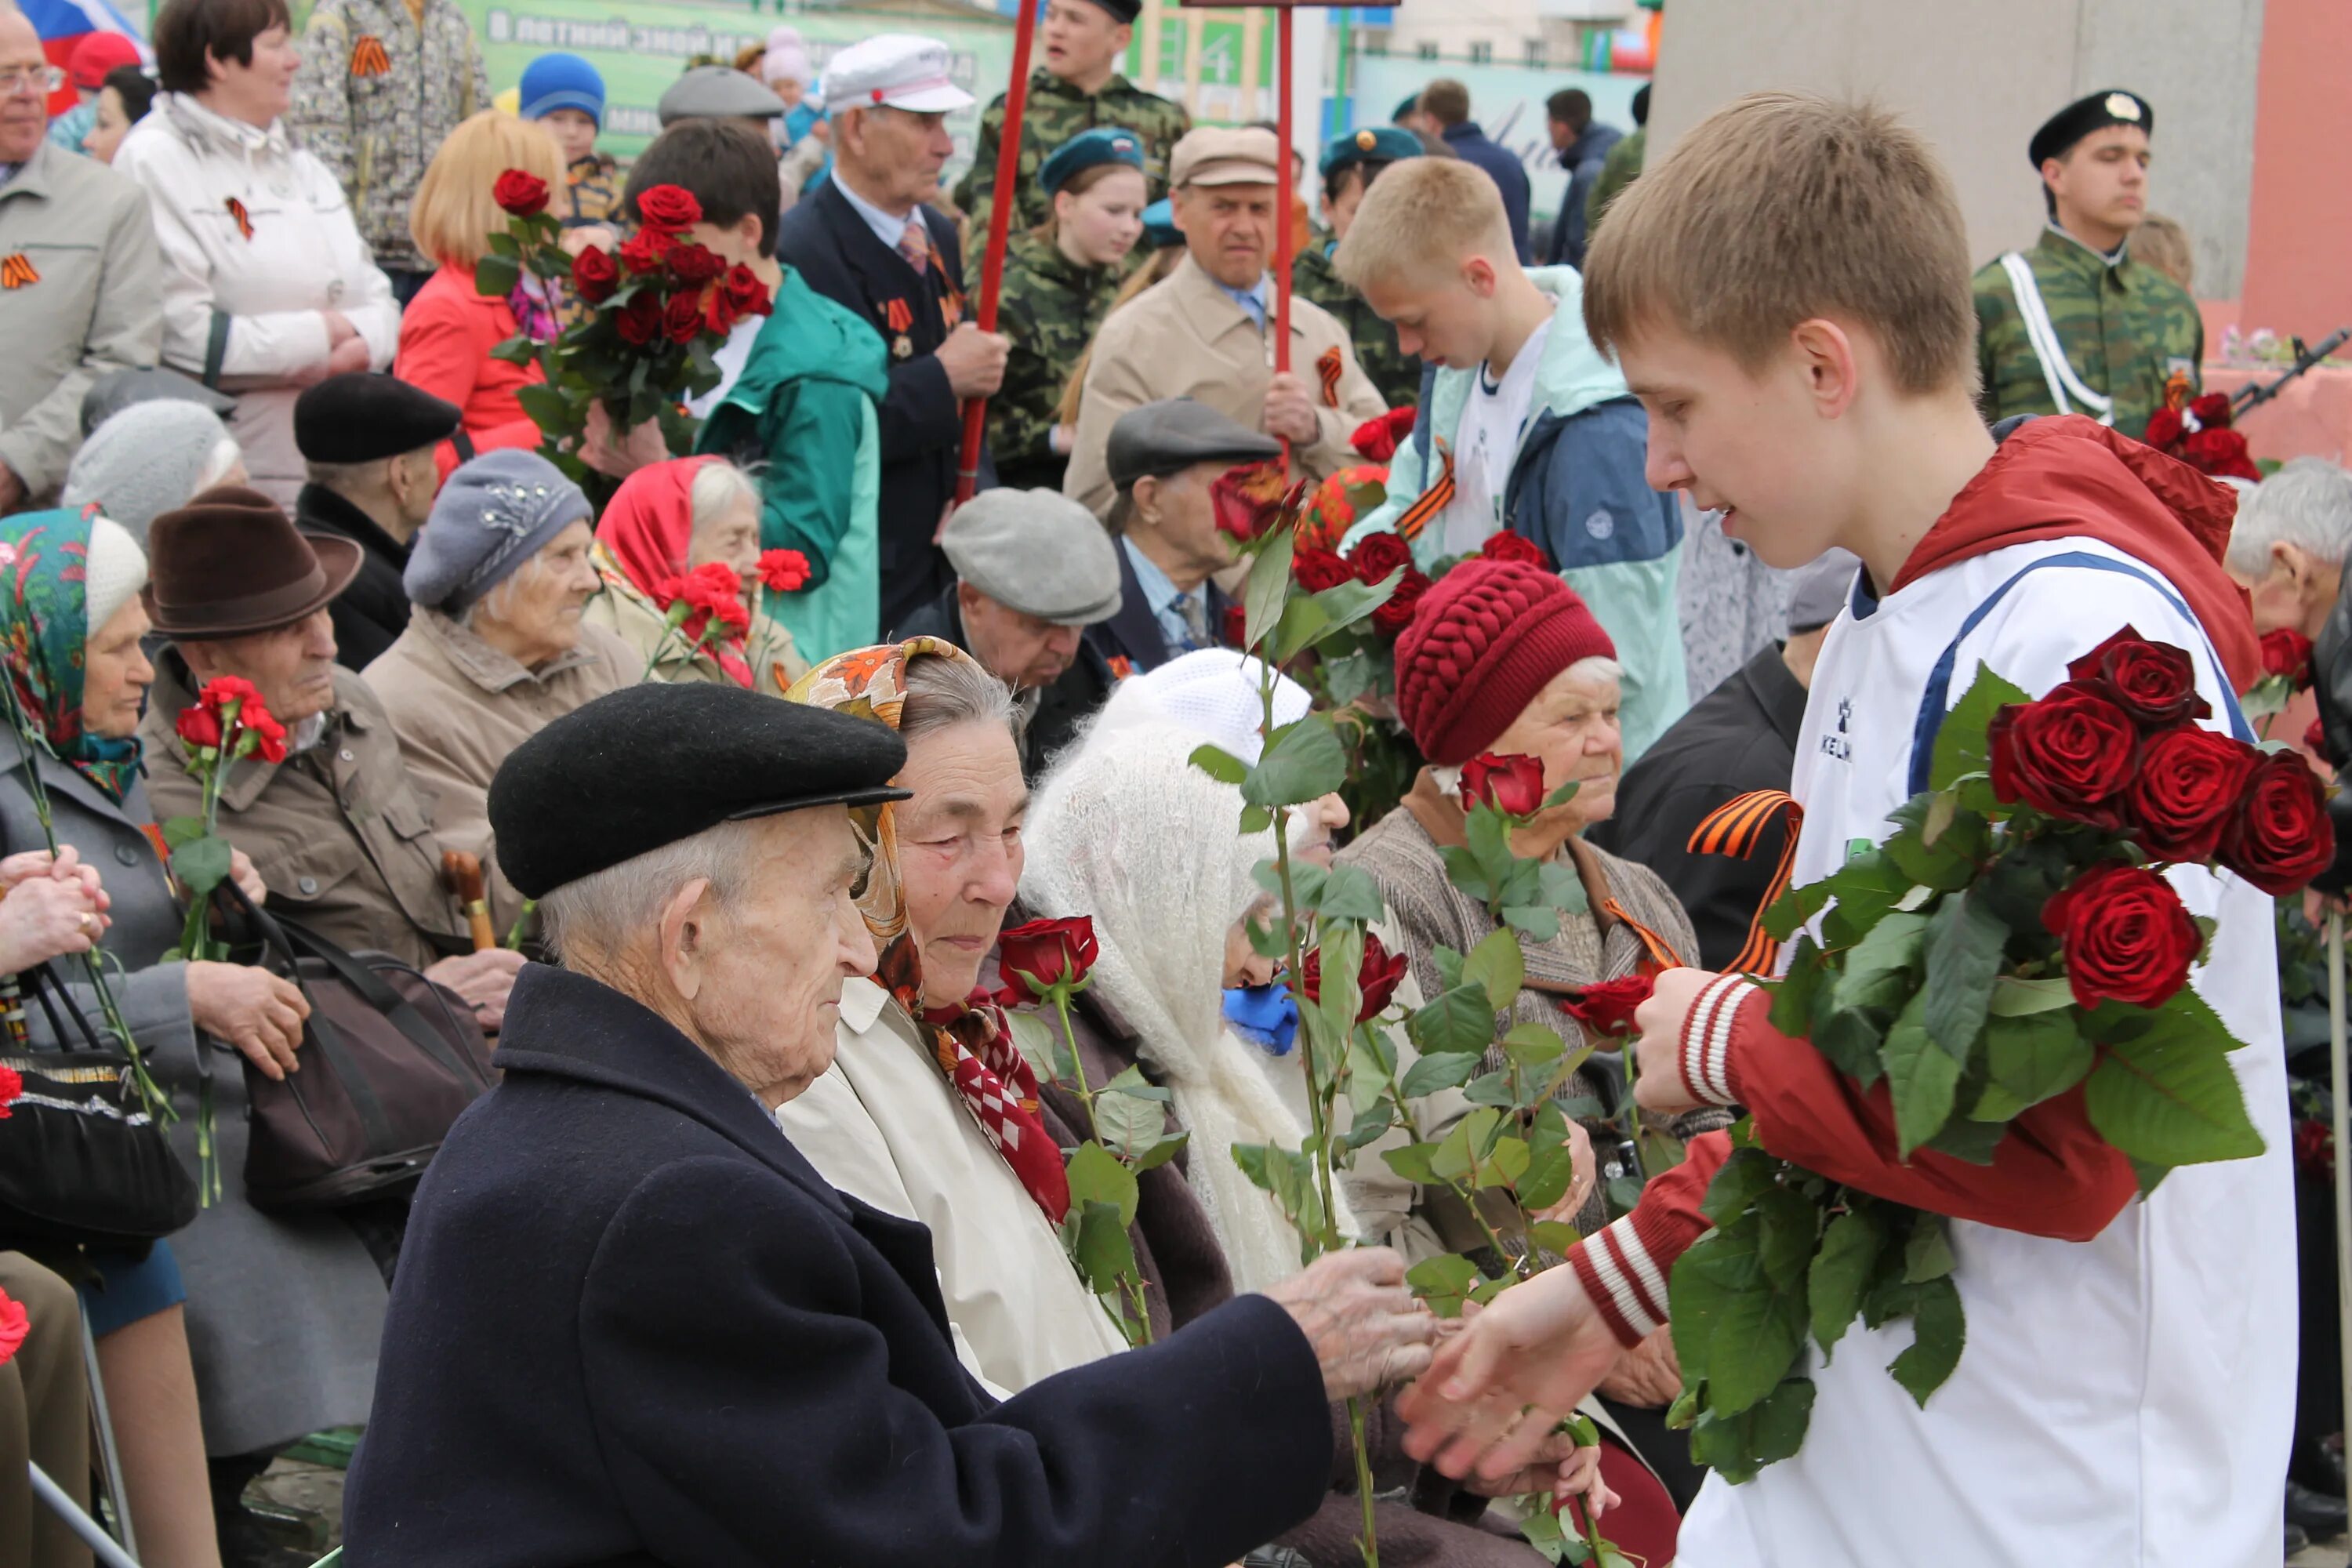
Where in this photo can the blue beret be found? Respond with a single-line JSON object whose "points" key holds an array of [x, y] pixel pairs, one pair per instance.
{"points": [[1373, 144], [561, 81], [1160, 230], [1103, 145]]}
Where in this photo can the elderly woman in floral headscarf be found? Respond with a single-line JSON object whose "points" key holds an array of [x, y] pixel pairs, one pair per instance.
{"points": [[685, 581]]}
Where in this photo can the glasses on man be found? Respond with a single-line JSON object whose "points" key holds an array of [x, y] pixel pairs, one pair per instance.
{"points": [[43, 78]]}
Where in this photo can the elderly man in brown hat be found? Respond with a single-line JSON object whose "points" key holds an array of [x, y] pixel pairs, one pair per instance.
{"points": [[1207, 333], [338, 830]]}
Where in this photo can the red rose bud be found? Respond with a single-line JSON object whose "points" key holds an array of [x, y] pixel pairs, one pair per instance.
{"points": [[669, 207], [682, 318], [2314, 740], [2068, 755], [2286, 653], [644, 250], [1513, 785], [746, 295], [2184, 791], [1377, 978], [695, 264], [2127, 936], [525, 195], [199, 726], [1236, 626], [1514, 547], [594, 275], [1377, 556], [2279, 837], [640, 320], [1607, 1009], [1047, 956], [1392, 619], [2153, 682], [1315, 569], [783, 570]]}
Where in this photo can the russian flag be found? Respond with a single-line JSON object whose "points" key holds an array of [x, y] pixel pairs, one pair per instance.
{"points": [[64, 23]]}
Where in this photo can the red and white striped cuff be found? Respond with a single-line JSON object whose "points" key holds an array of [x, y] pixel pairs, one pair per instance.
{"points": [[1707, 1039], [1624, 1279]]}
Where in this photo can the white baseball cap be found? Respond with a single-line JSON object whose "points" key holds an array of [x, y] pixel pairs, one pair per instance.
{"points": [[895, 71]]}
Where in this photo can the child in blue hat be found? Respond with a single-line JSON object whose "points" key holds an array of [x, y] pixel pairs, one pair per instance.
{"points": [[566, 93]]}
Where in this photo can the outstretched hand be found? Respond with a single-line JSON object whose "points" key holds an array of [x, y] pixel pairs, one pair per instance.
{"points": [[1496, 1391]]}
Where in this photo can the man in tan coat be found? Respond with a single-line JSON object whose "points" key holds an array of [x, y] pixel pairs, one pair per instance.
{"points": [[1206, 332]]}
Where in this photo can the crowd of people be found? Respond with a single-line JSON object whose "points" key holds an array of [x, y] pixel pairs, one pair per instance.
{"points": [[686, 771]]}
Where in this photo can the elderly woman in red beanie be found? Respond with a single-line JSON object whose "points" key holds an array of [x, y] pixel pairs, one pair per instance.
{"points": [[1503, 658]]}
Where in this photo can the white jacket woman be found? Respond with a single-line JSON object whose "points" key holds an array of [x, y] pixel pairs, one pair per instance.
{"points": [[268, 286]]}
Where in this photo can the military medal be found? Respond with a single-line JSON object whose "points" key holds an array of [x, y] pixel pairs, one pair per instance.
{"points": [[902, 347], [16, 271]]}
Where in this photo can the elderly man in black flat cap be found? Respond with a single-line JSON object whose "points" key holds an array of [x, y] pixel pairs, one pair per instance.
{"points": [[368, 442], [633, 1326]]}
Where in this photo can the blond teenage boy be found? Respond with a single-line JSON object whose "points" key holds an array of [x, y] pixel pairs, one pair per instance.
{"points": [[1524, 426], [1788, 296]]}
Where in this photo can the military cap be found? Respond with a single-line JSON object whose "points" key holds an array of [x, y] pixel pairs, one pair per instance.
{"points": [[1225, 155], [358, 417], [894, 70], [1160, 230], [2111, 106], [1408, 104], [647, 765], [117, 390], [1037, 551], [1103, 145], [1373, 144], [717, 92], [1169, 436], [1121, 10]]}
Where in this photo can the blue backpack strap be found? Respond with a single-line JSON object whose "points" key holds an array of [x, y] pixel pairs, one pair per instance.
{"points": [[1936, 701], [1422, 434]]}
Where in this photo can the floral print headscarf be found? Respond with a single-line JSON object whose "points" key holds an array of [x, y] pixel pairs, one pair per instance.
{"points": [[44, 558]]}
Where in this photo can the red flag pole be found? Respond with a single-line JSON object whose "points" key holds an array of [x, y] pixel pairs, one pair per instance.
{"points": [[1000, 223], [1285, 217]]}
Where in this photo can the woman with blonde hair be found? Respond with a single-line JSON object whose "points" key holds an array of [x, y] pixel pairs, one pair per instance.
{"points": [[448, 330]]}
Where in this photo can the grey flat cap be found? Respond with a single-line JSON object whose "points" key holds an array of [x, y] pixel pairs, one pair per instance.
{"points": [[1037, 551], [1167, 437], [717, 92], [113, 393], [1819, 589]]}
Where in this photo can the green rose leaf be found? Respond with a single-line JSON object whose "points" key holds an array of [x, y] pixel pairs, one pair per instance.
{"points": [[1129, 1123], [1964, 945], [1459, 1021], [1350, 893], [2168, 1097], [1039, 1045], [1549, 1173], [1303, 624], [1927, 1253], [1792, 993], [1851, 1040], [1268, 587], [1890, 948], [1160, 1154], [1492, 1088], [494, 276], [1840, 1271], [179, 830], [1465, 1146], [1748, 1176], [1098, 1243], [1940, 1330], [1921, 1077], [1352, 603], [1563, 890], [1532, 1048], [1305, 762], [1496, 965], [1445, 1282], [2015, 997], [1097, 1176], [1788, 1224], [1440, 1070], [1961, 746], [2034, 1056], [1219, 765], [1347, 676], [1414, 1163]]}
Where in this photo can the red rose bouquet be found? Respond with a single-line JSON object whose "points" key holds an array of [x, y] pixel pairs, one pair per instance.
{"points": [[657, 312], [2198, 431], [2286, 670]]}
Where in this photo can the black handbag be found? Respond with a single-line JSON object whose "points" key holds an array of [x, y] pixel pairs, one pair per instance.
{"points": [[81, 1161]]}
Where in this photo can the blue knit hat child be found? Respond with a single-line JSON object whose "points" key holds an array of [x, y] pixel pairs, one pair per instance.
{"points": [[563, 81]]}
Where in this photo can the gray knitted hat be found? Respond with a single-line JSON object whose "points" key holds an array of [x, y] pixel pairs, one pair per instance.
{"points": [[494, 513], [145, 461]]}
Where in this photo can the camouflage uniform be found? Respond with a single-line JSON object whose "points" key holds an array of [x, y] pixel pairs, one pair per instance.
{"points": [[1050, 309], [2124, 330], [1619, 168], [1056, 112], [1396, 373]]}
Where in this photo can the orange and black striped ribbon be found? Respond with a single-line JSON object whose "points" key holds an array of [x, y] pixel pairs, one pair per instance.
{"points": [[1432, 500], [1662, 952], [1735, 828], [898, 314], [16, 271], [368, 57], [1331, 366], [243, 219]]}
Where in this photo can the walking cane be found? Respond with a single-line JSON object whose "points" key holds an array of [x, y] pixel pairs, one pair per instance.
{"points": [[1000, 223], [2337, 1084], [101, 1545]]}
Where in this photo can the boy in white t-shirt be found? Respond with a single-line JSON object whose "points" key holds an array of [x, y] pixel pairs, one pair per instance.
{"points": [[2126, 1393]]}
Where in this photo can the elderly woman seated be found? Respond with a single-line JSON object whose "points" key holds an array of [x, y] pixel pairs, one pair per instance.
{"points": [[634, 1324], [148, 460], [665, 521], [497, 648]]}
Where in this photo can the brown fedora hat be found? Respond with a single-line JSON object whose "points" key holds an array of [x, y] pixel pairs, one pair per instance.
{"points": [[229, 564]]}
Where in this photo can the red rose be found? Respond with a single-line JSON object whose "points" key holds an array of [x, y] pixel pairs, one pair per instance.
{"points": [[2127, 936], [682, 318], [2070, 754], [1378, 555], [644, 251], [2286, 653], [2183, 791], [2153, 681], [640, 320], [746, 295], [1047, 956], [2220, 453], [1607, 1009], [1392, 619], [199, 726], [1236, 626], [1246, 498], [1514, 547], [669, 208], [2211, 410], [594, 275], [2280, 836], [13, 1326], [1377, 978], [695, 264], [1315, 569], [525, 195], [11, 1086], [783, 570], [1377, 439], [2164, 429], [718, 316], [1513, 785]]}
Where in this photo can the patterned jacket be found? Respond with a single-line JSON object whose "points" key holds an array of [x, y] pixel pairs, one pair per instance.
{"points": [[377, 92], [1395, 372], [1057, 111], [2123, 328], [1050, 309]]}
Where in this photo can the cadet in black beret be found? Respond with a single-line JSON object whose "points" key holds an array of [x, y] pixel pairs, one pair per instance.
{"points": [[2110, 106], [371, 443]]}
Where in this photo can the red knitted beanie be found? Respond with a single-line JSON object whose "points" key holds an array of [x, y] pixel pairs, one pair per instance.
{"points": [[1482, 643]]}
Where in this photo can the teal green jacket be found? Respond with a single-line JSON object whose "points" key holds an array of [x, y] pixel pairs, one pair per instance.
{"points": [[801, 416]]}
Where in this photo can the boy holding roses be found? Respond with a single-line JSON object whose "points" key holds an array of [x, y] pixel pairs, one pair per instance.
{"points": [[2126, 1392]]}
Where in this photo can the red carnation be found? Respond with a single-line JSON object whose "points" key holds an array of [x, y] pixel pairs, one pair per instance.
{"points": [[2127, 936], [2068, 755], [14, 1327], [1047, 956], [669, 207], [2153, 681], [11, 1087], [1377, 977], [642, 251], [1513, 785], [2184, 790], [1607, 1009], [594, 275], [2280, 836], [2286, 653], [1514, 547], [682, 318], [783, 570], [199, 726], [1315, 569], [269, 734], [1392, 619], [640, 320], [525, 195]]}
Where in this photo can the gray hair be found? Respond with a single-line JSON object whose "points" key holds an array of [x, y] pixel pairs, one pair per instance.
{"points": [[944, 692], [2307, 503], [500, 598], [593, 920], [718, 485]]}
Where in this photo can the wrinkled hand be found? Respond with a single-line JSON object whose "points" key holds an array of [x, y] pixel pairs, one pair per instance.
{"points": [[1658, 1052], [1649, 1377], [1290, 411], [42, 917], [1367, 1330], [482, 979], [618, 457], [974, 361], [1495, 1392], [253, 1010]]}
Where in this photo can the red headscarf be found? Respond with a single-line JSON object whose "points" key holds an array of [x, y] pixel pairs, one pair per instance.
{"points": [[645, 533]]}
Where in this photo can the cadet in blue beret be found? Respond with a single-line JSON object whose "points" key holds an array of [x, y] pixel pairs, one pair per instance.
{"points": [[1348, 166], [1090, 150]]}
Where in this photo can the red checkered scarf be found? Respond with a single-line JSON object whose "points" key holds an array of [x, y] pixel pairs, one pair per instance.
{"points": [[973, 1046]]}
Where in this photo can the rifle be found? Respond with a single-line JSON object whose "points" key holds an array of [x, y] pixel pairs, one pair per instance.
{"points": [[2249, 397]]}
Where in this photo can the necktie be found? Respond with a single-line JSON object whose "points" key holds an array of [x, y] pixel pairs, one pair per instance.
{"points": [[915, 244], [1194, 608]]}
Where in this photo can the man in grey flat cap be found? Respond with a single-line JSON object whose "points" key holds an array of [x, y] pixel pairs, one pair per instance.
{"points": [[718, 92], [1034, 570]]}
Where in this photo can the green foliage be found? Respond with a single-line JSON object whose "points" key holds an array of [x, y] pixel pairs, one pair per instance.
{"points": [[2165, 1097], [1304, 762], [1496, 965], [1268, 588], [1839, 1272], [494, 276], [1096, 1175], [1459, 1021], [201, 864], [1445, 1282], [1921, 1076], [1964, 948], [1960, 748], [1219, 765]]}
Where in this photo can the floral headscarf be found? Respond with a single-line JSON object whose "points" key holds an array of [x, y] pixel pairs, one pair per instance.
{"points": [[642, 543], [970, 1039], [43, 559]]}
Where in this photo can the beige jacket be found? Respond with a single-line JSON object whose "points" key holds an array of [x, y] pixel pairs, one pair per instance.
{"points": [[884, 1125], [632, 619], [1185, 337], [459, 706]]}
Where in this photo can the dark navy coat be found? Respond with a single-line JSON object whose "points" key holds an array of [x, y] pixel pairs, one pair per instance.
{"points": [[633, 1326]]}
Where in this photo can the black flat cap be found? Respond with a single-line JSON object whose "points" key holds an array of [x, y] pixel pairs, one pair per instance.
{"points": [[1171, 435], [2110, 106], [117, 390], [1121, 10], [648, 765], [358, 417]]}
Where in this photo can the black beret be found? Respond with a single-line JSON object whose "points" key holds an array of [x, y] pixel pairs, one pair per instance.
{"points": [[1121, 10], [2110, 106], [648, 765], [358, 417]]}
